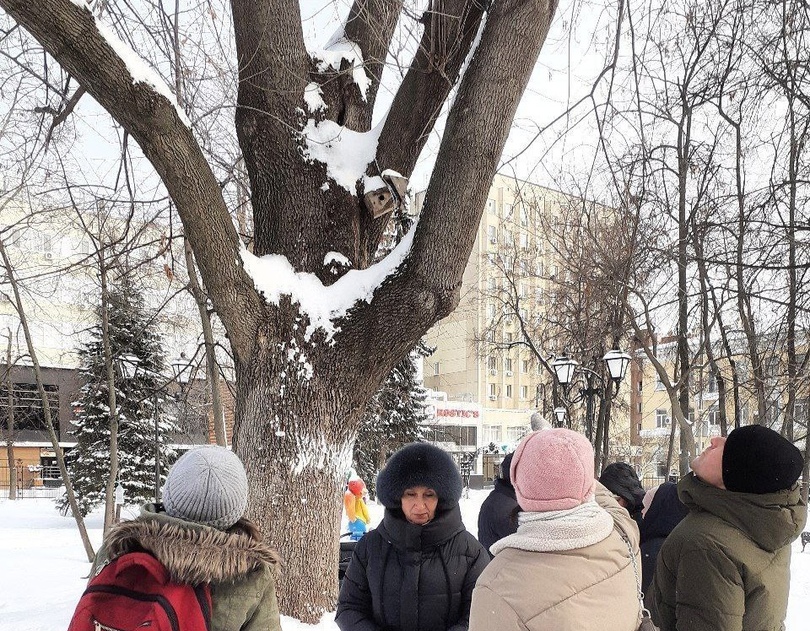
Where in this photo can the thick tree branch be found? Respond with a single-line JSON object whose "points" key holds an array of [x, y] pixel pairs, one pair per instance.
{"points": [[450, 28], [371, 25], [69, 33]]}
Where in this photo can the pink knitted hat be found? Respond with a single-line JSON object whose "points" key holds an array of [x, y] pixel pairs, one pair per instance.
{"points": [[552, 469]]}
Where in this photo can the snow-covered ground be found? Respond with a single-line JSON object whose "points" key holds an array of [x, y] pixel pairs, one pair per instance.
{"points": [[43, 569]]}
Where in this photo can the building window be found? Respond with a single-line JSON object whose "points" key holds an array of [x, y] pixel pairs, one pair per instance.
{"points": [[640, 386], [661, 418], [462, 435], [711, 384], [492, 285], [524, 240], [436, 368], [524, 392], [509, 337], [490, 205], [515, 432], [492, 233], [491, 434], [508, 237], [491, 311], [800, 409], [524, 365], [492, 390], [491, 363], [509, 391], [507, 210], [638, 407], [507, 363], [659, 385], [29, 414]]}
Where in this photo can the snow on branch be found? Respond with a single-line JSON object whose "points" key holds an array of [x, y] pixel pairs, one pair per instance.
{"points": [[346, 153], [274, 277], [337, 49], [138, 69]]}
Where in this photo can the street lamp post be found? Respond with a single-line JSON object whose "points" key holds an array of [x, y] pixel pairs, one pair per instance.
{"points": [[568, 370]]}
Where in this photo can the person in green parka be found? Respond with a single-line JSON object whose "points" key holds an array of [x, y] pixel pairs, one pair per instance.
{"points": [[726, 565], [200, 534]]}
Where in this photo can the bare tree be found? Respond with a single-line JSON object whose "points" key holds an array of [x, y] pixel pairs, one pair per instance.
{"points": [[46, 408]]}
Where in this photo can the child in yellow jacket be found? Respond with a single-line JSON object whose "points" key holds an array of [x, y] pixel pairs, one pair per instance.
{"points": [[356, 508]]}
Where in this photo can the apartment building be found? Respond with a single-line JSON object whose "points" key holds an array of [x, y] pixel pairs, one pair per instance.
{"points": [[509, 280]]}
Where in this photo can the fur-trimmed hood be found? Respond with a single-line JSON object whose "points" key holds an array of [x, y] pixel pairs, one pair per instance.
{"points": [[191, 552]]}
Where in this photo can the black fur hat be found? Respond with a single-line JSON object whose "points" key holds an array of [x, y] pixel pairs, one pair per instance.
{"points": [[419, 464]]}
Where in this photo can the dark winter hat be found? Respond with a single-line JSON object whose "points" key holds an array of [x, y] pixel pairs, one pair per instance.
{"points": [[620, 479], [419, 464], [759, 460], [207, 485], [506, 464]]}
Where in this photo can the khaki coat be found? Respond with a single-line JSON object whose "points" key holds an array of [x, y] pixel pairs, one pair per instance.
{"points": [[593, 588]]}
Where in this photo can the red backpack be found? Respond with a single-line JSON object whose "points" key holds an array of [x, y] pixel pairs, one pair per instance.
{"points": [[134, 591]]}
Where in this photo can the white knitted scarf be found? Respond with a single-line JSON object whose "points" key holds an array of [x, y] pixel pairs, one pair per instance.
{"points": [[577, 527]]}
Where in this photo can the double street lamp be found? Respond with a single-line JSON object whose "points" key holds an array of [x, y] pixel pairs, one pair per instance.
{"points": [[568, 371]]}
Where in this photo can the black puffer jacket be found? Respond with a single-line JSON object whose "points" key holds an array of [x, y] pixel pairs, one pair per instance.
{"points": [[405, 577], [497, 518], [665, 512]]}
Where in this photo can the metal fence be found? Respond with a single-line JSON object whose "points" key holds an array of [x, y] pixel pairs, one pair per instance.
{"points": [[32, 481]]}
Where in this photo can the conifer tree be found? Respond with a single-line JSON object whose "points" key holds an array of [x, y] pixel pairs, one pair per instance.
{"points": [[140, 394], [393, 418]]}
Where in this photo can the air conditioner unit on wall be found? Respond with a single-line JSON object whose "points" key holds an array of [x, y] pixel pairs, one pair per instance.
{"points": [[493, 372], [508, 373], [492, 397]]}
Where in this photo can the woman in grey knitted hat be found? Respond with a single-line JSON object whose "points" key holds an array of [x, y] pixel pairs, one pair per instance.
{"points": [[200, 535], [416, 570]]}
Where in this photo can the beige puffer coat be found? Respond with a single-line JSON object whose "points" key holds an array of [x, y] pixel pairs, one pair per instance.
{"points": [[589, 588], [239, 566]]}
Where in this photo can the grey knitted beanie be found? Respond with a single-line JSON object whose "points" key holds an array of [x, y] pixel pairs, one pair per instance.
{"points": [[207, 485]]}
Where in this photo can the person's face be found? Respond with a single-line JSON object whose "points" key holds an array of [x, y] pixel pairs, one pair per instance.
{"points": [[708, 466], [419, 504]]}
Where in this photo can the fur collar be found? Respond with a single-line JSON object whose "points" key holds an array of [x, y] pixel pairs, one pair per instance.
{"points": [[191, 552]]}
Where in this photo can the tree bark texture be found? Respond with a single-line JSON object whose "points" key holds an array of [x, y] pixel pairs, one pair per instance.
{"points": [[299, 400]]}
